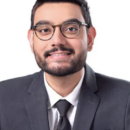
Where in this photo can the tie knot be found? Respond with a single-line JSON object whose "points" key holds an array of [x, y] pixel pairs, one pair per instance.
{"points": [[63, 107]]}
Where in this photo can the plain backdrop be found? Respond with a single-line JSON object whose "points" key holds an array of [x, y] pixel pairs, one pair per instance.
{"points": [[110, 55]]}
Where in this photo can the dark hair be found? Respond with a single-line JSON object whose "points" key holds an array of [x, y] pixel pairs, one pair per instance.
{"points": [[82, 3]]}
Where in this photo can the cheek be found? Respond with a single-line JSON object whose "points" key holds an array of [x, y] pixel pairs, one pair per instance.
{"points": [[79, 45], [82, 41], [84, 44], [39, 46]]}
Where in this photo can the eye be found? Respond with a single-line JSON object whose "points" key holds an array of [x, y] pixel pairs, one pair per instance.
{"points": [[44, 30], [71, 29]]}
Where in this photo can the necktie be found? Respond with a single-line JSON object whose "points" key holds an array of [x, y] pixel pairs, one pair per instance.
{"points": [[63, 107]]}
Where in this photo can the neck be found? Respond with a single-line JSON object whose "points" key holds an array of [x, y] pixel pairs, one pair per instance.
{"points": [[64, 85]]}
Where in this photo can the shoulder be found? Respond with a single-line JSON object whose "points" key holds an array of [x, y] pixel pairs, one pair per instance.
{"points": [[108, 84], [103, 79], [20, 81]]}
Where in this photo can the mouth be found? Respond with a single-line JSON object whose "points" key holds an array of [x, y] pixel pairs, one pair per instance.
{"points": [[59, 55]]}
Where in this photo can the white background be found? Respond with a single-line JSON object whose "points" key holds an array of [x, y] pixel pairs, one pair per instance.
{"points": [[111, 52]]}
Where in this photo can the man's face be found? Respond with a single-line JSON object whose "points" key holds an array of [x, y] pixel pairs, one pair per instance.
{"points": [[60, 56]]}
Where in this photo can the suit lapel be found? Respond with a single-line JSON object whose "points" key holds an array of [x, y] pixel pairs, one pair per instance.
{"points": [[88, 102], [36, 104]]}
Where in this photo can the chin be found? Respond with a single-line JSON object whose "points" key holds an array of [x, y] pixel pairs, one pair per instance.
{"points": [[60, 70], [59, 65]]}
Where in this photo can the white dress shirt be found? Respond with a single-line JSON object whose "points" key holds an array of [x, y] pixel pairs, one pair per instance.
{"points": [[53, 114]]}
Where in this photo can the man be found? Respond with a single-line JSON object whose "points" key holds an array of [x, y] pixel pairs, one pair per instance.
{"points": [[61, 34]]}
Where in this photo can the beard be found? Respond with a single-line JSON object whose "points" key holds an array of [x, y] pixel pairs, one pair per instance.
{"points": [[76, 63]]}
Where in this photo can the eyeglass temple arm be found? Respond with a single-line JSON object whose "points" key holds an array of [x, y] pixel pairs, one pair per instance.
{"points": [[85, 24]]}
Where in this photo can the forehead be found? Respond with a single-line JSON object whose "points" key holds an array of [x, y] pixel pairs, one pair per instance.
{"points": [[57, 13]]}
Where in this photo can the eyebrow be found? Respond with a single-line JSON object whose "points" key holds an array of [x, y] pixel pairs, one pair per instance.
{"points": [[72, 20], [49, 22], [43, 22]]}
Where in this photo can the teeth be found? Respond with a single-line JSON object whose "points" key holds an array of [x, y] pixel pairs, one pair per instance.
{"points": [[59, 54]]}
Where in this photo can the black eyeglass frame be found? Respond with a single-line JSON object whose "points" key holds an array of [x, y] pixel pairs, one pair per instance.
{"points": [[60, 25]]}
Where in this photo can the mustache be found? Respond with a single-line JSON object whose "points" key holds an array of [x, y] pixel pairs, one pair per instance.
{"points": [[61, 48]]}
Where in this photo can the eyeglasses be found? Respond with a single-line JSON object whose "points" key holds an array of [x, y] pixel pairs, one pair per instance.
{"points": [[68, 29]]}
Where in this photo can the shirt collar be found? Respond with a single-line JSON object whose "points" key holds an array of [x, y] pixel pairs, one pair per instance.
{"points": [[72, 97]]}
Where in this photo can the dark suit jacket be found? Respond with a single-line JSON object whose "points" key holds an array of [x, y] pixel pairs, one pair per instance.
{"points": [[104, 103]]}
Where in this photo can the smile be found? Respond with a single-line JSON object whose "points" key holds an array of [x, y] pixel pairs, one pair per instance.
{"points": [[59, 55]]}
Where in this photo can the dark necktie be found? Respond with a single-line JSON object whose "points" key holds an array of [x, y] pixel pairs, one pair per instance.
{"points": [[63, 107]]}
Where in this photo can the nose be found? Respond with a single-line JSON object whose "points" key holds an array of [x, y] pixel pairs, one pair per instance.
{"points": [[58, 38]]}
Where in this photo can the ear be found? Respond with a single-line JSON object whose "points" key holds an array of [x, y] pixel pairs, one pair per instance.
{"points": [[91, 37], [30, 38]]}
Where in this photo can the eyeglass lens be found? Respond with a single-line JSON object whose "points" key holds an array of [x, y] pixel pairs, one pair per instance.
{"points": [[46, 31]]}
